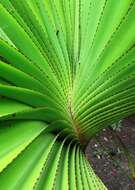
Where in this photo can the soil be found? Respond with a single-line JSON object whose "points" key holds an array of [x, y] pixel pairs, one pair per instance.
{"points": [[108, 158]]}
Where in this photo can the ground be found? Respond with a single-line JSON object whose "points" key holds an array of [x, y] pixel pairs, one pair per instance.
{"points": [[108, 159]]}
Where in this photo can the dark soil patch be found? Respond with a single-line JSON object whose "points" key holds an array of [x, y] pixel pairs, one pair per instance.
{"points": [[108, 159]]}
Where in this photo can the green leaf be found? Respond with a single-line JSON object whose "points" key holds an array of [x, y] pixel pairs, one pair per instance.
{"points": [[67, 70]]}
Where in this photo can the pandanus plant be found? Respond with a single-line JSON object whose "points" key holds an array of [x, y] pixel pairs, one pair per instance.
{"points": [[67, 71]]}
